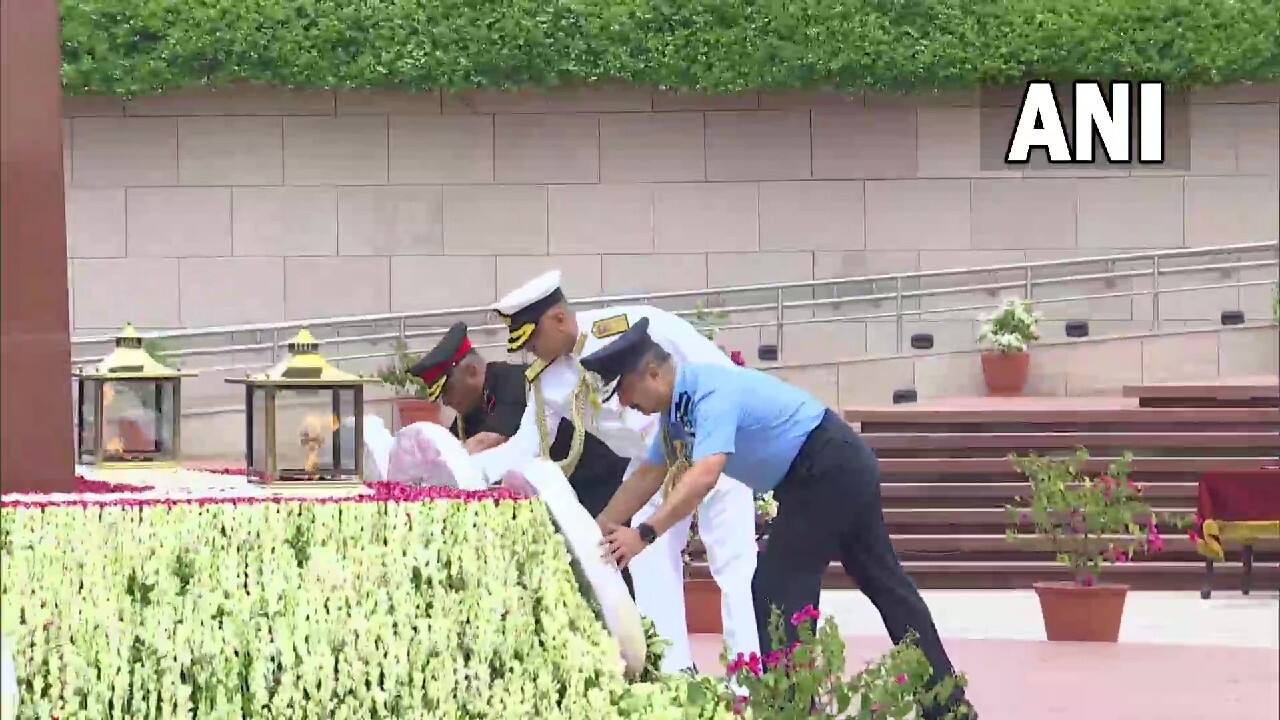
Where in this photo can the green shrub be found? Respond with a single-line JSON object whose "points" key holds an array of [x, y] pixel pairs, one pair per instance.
{"points": [[138, 46]]}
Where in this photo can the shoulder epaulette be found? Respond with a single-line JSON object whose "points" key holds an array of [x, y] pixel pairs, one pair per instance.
{"points": [[535, 370], [610, 326]]}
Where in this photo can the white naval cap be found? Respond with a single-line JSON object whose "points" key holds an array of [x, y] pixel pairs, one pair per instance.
{"points": [[521, 308]]}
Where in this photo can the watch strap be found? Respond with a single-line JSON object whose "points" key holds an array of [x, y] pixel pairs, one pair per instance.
{"points": [[647, 533]]}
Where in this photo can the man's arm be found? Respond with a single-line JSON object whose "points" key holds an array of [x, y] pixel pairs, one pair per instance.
{"points": [[624, 430], [689, 492], [527, 439]]}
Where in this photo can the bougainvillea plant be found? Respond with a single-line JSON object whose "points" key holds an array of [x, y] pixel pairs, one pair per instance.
{"points": [[805, 679], [1092, 521]]}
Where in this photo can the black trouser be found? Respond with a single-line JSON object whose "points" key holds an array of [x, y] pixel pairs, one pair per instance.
{"points": [[829, 508]]}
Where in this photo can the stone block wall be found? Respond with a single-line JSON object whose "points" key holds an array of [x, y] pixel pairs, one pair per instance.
{"points": [[253, 205]]}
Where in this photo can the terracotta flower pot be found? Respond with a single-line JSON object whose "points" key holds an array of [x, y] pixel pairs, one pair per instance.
{"points": [[1005, 373], [412, 410], [1073, 612], [702, 606]]}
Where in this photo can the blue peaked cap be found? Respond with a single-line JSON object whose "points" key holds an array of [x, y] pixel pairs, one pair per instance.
{"points": [[621, 356]]}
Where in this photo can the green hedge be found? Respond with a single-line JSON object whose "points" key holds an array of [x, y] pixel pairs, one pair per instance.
{"points": [[138, 46]]}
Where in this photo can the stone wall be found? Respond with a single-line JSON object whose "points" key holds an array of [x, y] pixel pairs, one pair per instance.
{"points": [[251, 205], [1077, 368]]}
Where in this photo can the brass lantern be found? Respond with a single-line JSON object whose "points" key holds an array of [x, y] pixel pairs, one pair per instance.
{"points": [[129, 409], [304, 420]]}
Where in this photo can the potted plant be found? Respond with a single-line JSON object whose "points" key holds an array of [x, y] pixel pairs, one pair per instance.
{"points": [[706, 320], [702, 595], [1092, 522], [1005, 366], [411, 403]]}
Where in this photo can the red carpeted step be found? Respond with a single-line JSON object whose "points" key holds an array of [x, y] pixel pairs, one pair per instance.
{"points": [[965, 466], [1031, 440]]}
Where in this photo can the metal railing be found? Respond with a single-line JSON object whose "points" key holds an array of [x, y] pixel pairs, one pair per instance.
{"points": [[906, 290]]}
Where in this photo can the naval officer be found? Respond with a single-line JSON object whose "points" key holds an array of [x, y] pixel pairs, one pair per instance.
{"points": [[540, 320], [773, 437], [488, 399]]}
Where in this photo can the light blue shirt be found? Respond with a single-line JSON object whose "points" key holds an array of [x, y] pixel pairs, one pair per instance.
{"points": [[757, 420]]}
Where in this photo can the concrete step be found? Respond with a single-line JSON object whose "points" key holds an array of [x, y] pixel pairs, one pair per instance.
{"points": [[934, 574]]}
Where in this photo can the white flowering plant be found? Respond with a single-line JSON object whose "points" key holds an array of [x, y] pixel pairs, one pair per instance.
{"points": [[1012, 327], [430, 603]]}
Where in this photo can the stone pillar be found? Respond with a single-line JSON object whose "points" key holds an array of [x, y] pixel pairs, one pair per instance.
{"points": [[36, 450]]}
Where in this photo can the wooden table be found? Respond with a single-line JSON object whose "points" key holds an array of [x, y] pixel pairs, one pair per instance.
{"points": [[1241, 507]]}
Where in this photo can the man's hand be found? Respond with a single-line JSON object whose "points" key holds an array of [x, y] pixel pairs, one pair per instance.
{"points": [[620, 544], [483, 441]]}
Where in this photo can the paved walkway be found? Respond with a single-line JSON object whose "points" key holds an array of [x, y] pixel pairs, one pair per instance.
{"points": [[1179, 658], [1166, 618]]}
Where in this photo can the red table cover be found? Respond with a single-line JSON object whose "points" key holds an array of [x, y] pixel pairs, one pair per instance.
{"points": [[1240, 495]]}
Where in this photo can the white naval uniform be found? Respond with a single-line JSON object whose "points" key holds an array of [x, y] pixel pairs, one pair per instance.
{"points": [[726, 517]]}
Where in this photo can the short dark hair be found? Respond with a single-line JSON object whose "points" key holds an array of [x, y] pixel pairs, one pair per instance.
{"points": [[656, 354]]}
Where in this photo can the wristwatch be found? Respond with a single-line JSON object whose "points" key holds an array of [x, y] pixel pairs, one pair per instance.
{"points": [[647, 533]]}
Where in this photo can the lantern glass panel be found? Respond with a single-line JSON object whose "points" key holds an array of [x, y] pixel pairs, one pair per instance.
{"points": [[259, 443], [309, 441], [345, 456], [137, 420], [87, 420]]}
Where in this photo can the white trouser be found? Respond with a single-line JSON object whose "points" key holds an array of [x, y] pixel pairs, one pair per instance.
{"points": [[727, 526]]}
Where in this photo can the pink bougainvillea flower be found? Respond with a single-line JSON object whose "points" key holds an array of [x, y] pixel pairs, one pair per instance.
{"points": [[1085, 579], [739, 704], [773, 659], [901, 679], [736, 357], [808, 612], [1155, 541], [753, 664], [737, 664]]}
